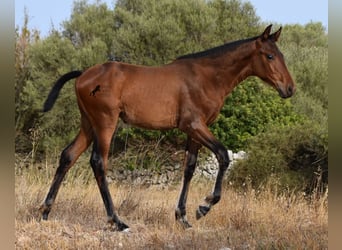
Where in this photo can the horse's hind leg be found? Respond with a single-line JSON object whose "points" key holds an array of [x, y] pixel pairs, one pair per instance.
{"points": [[98, 161], [68, 157]]}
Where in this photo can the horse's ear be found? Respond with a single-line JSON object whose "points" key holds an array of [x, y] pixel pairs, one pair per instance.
{"points": [[275, 36], [264, 36]]}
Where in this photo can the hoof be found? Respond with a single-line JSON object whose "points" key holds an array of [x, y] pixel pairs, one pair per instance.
{"points": [[45, 216], [122, 227], [181, 219], [44, 210], [184, 223], [116, 224], [202, 211]]}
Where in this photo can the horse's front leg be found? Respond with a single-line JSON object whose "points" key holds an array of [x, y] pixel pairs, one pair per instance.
{"points": [[189, 166], [223, 160], [201, 134]]}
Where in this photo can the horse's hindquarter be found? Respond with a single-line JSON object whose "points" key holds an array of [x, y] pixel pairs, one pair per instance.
{"points": [[147, 97]]}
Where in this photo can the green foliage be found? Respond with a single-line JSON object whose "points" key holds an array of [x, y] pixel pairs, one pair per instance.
{"points": [[89, 22], [24, 39], [307, 36], [161, 27], [52, 57], [49, 59], [306, 53], [251, 109], [291, 158], [167, 29], [235, 20]]}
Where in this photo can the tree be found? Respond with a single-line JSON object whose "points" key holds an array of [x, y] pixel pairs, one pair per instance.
{"points": [[89, 22], [305, 36], [306, 49], [155, 32], [50, 58], [24, 38], [234, 20], [75, 48]]}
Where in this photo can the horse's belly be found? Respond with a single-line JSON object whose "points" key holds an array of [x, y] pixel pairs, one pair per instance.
{"points": [[151, 117]]}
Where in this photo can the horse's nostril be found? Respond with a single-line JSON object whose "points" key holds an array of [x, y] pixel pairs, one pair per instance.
{"points": [[290, 90]]}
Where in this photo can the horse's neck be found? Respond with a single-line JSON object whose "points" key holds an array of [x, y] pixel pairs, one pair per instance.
{"points": [[232, 68]]}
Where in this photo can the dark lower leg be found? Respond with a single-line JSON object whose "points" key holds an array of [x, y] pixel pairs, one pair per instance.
{"points": [[200, 132], [67, 159], [97, 164], [64, 165], [189, 168], [215, 197]]}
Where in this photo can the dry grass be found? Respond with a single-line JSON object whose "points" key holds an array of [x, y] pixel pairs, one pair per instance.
{"points": [[239, 221]]}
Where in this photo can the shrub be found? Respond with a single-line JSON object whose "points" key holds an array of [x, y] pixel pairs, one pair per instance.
{"points": [[292, 158], [249, 110]]}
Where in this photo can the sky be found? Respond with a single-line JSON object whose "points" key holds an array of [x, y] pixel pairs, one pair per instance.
{"points": [[44, 14]]}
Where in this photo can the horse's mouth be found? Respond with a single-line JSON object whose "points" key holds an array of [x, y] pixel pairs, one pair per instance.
{"points": [[285, 92]]}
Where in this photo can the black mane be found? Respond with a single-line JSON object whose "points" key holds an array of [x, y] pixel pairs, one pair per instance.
{"points": [[217, 50]]}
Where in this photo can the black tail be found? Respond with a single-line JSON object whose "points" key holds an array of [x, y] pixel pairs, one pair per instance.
{"points": [[51, 99]]}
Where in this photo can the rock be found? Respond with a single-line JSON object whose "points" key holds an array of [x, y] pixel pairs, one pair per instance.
{"points": [[169, 174], [240, 155], [209, 167]]}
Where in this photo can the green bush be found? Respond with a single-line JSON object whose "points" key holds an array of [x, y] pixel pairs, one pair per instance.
{"points": [[292, 158], [251, 109]]}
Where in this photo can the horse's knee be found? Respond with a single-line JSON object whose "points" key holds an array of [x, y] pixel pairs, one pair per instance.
{"points": [[192, 159], [223, 158], [65, 158], [98, 167], [190, 168], [95, 160]]}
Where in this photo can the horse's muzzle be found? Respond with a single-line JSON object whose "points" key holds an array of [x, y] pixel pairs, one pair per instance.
{"points": [[287, 91]]}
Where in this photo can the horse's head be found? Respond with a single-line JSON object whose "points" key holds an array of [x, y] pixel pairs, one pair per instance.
{"points": [[269, 64]]}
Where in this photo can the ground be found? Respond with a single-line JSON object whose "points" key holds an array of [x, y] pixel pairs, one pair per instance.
{"points": [[241, 220]]}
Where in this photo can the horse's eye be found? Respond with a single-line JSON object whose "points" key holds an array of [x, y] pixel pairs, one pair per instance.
{"points": [[269, 56]]}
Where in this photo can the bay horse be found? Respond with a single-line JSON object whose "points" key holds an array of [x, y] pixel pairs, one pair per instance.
{"points": [[187, 94]]}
